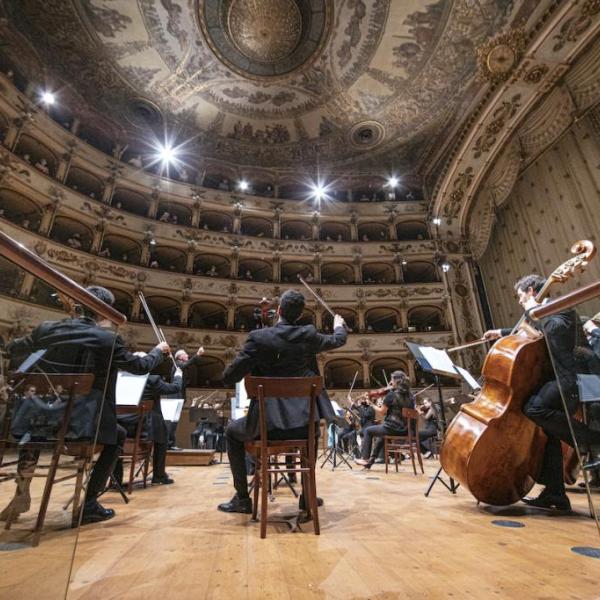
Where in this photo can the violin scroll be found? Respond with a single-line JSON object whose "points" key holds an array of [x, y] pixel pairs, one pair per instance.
{"points": [[584, 251]]}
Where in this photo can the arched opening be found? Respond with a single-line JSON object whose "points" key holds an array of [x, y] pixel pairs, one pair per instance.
{"points": [[41, 293], [72, 233], [171, 212], [296, 230], [426, 318], [123, 302], [291, 269], [165, 311], [340, 372], [168, 259], [133, 202], [372, 232], [20, 210], [334, 232], [207, 315], [382, 320], [214, 221], [385, 365], [95, 137], [212, 265], [10, 278], [37, 155], [253, 269], [368, 194], [412, 230], [350, 316], [247, 317], [263, 188], [85, 183], [121, 248], [207, 374], [293, 191], [256, 227], [380, 273], [337, 273], [420, 272]]}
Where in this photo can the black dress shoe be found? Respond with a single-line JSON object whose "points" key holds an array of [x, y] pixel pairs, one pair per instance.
{"points": [[302, 503], [95, 512], [164, 480], [237, 505], [549, 501]]}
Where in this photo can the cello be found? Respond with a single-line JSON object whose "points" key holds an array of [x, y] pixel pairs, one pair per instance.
{"points": [[490, 446]]}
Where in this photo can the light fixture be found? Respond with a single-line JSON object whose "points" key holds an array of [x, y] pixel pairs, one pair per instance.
{"points": [[166, 153], [437, 221], [243, 185], [152, 242], [404, 262], [393, 181], [48, 97], [445, 267]]}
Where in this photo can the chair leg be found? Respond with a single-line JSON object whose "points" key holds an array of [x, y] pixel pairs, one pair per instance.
{"points": [[37, 530], [257, 483], [147, 466], [313, 497], [264, 491], [386, 456], [412, 458], [77, 493], [420, 458]]}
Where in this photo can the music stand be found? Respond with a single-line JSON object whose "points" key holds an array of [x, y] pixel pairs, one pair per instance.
{"points": [[333, 452], [437, 362]]}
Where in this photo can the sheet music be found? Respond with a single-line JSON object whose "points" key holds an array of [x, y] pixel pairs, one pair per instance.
{"points": [[473, 383], [439, 360], [171, 408], [589, 387], [129, 388]]}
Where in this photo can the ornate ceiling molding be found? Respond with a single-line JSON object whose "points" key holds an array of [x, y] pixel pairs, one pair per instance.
{"points": [[560, 37]]}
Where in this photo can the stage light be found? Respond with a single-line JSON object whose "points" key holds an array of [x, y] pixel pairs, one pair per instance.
{"points": [[393, 181], [243, 185], [404, 262], [437, 221], [152, 242], [445, 267], [166, 153], [48, 98]]}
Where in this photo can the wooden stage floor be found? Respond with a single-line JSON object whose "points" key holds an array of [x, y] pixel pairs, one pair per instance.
{"points": [[380, 539]]}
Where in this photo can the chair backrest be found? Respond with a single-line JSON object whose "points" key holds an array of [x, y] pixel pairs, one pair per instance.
{"points": [[286, 389], [72, 383], [410, 413]]}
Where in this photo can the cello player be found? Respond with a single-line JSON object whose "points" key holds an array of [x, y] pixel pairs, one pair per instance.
{"points": [[545, 407]]}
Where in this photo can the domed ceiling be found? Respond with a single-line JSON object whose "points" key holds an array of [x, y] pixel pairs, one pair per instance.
{"points": [[272, 83]]}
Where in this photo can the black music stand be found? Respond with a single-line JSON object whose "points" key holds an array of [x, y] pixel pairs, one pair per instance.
{"points": [[437, 362], [331, 454]]}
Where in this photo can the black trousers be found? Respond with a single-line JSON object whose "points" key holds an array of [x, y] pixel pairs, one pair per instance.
{"points": [[159, 460], [344, 436], [104, 466], [378, 431], [545, 408], [236, 436], [426, 434]]}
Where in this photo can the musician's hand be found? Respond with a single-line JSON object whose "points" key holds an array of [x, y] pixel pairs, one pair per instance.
{"points": [[492, 334], [164, 347], [200, 351], [338, 321]]}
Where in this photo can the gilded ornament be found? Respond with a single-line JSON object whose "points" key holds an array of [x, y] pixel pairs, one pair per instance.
{"points": [[498, 56]]}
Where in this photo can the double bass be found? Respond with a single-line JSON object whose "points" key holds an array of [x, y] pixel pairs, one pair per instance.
{"points": [[491, 447]]}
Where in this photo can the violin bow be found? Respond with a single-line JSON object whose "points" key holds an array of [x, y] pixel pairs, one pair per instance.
{"points": [[160, 336]]}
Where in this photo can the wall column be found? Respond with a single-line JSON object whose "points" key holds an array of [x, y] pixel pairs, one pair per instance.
{"points": [[97, 239]]}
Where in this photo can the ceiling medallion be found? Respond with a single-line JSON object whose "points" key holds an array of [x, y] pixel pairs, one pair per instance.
{"points": [[366, 134], [265, 39], [498, 56]]}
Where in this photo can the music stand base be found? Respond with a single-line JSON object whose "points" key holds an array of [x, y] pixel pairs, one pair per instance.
{"points": [[451, 487]]}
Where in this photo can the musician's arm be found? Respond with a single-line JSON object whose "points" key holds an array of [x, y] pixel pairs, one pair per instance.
{"points": [[243, 363], [138, 365], [322, 342]]}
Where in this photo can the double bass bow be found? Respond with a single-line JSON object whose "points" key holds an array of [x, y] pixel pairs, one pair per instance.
{"points": [[491, 447]]}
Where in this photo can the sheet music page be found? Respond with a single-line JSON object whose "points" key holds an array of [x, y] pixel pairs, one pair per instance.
{"points": [[438, 359], [171, 408], [589, 387], [473, 384], [129, 388]]}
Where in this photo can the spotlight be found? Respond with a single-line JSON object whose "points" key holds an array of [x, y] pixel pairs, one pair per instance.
{"points": [[152, 242], [243, 185], [445, 267], [393, 181], [319, 192], [48, 98], [437, 221], [404, 262], [166, 154]]}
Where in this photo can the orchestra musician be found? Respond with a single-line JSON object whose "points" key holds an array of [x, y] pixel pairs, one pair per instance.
{"points": [[81, 344], [563, 333], [283, 350], [397, 398], [430, 415]]}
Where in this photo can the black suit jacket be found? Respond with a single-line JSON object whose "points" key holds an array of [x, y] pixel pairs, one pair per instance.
{"points": [[155, 426], [284, 350], [184, 365], [80, 346]]}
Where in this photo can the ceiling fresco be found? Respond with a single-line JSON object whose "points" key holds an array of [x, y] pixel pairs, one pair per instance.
{"points": [[270, 83]]}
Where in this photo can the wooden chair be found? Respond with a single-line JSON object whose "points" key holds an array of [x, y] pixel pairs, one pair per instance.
{"points": [[137, 449], [303, 451], [81, 452], [396, 445]]}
